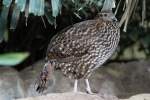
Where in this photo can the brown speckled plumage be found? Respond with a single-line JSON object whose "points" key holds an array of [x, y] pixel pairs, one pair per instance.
{"points": [[84, 46]]}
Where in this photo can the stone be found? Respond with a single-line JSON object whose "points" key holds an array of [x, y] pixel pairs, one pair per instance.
{"points": [[71, 96], [120, 79], [11, 86], [139, 97], [83, 96]]}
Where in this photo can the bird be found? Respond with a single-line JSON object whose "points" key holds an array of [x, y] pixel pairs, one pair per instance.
{"points": [[80, 49]]}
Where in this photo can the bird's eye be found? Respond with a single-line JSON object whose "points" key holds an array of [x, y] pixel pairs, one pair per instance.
{"points": [[105, 15]]}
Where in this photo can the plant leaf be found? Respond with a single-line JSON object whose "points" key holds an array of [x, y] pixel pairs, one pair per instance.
{"points": [[21, 4], [49, 16], [32, 6], [3, 19], [56, 7], [15, 17], [11, 59], [108, 5], [37, 7], [7, 2]]}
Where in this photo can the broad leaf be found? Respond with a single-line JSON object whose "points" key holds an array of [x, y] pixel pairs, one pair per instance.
{"points": [[15, 17], [56, 7], [3, 21], [37, 7], [7, 2], [21, 4], [11, 59]]}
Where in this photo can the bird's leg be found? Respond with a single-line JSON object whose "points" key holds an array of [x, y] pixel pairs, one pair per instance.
{"points": [[75, 90], [88, 88]]}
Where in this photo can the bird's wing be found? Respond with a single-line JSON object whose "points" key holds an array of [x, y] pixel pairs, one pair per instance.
{"points": [[74, 42]]}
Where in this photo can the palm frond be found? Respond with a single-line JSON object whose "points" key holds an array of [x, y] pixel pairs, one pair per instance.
{"points": [[3, 18], [130, 6], [15, 17], [56, 7], [36, 7], [51, 9]]}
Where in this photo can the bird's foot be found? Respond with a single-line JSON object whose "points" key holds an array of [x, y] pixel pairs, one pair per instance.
{"points": [[88, 88], [89, 91]]}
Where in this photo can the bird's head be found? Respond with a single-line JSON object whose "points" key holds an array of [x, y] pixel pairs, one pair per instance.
{"points": [[107, 15]]}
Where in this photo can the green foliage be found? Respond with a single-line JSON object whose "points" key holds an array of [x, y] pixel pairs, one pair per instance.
{"points": [[3, 19], [56, 7], [15, 17], [7, 3], [36, 7], [11, 59], [41, 7]]}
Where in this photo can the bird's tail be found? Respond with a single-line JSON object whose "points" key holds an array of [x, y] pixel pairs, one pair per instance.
{"points": [[41, 83]]}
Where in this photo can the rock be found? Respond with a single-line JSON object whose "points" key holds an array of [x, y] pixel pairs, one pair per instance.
{"points": [[119, 79], [11, 86], [71, 96], [139, 97], [122, 79], [82, 96]]}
